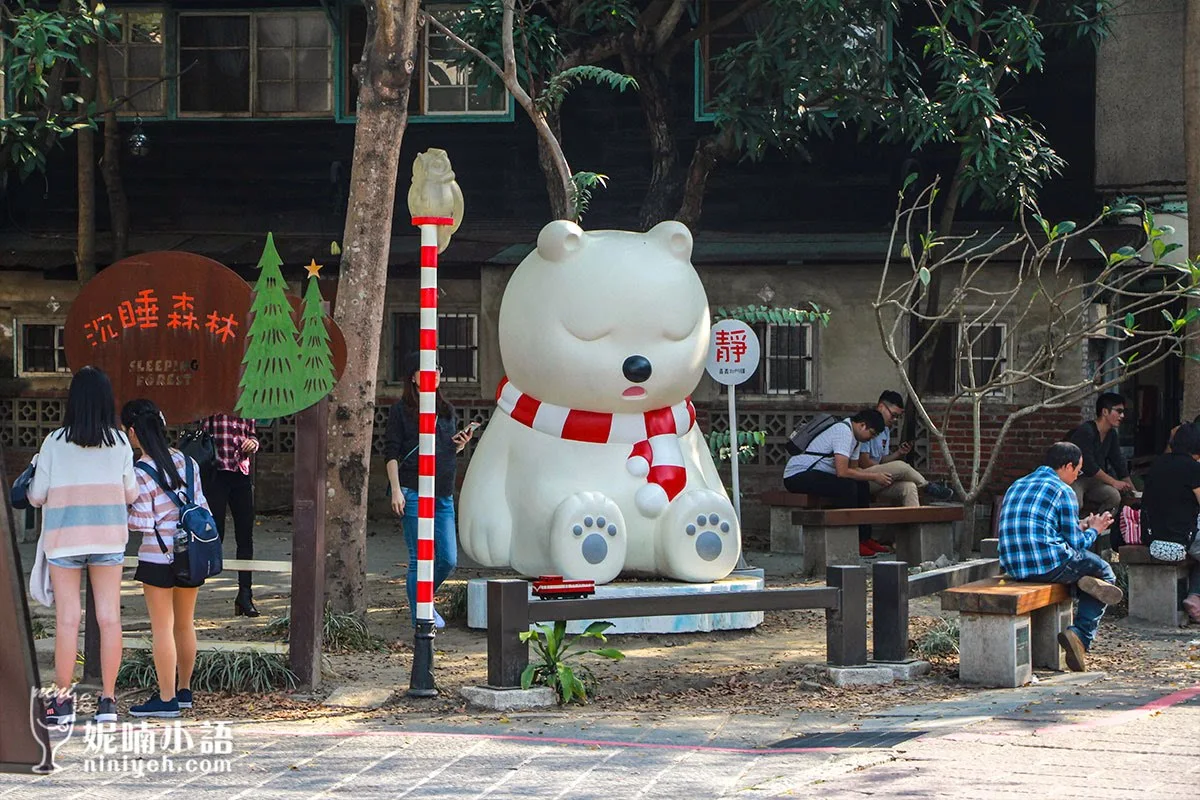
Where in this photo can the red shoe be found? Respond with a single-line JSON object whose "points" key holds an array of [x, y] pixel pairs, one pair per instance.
{"points": [[878, 547], [866, 551]]}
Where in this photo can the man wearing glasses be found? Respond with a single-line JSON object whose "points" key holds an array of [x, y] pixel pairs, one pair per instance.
{"points": [[878, 456], [1105, 475]]}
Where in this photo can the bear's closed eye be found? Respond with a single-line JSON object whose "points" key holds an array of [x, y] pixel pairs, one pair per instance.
{"points": [[587, 330], [678, 329]]}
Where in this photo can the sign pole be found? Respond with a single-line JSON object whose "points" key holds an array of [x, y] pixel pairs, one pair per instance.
{"points": [[308, 544], [733, 452], [733, 357], [421, 681]]}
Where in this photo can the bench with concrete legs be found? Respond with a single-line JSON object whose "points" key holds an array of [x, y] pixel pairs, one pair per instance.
{"points": [[1156, 588], [785, 533], [1007, 627], [826, 537]]}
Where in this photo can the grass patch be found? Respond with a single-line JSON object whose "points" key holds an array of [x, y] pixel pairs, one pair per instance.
{"points": [[453, 605], [39, 629], [343, 633], [216, 671], [939, 641]]}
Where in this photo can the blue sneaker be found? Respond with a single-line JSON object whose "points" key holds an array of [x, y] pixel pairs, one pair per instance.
{"points": [[156, 707], [438, 622], [184, 698]]}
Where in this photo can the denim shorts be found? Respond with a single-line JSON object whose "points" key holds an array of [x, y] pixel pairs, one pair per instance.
{"points": [[94, 559]]}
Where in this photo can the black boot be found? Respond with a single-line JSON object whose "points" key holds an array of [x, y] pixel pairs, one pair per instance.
{"points": [[243, 605]]}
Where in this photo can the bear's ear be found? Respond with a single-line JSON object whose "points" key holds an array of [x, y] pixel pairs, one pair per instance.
{"points": [[675, 236], [559, 239]]}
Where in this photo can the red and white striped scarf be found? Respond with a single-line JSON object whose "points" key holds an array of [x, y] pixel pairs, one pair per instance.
{"points": [[656, 454]]}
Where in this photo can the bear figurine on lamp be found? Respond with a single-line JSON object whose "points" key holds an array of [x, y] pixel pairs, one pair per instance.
{"points": [[593, 465]]}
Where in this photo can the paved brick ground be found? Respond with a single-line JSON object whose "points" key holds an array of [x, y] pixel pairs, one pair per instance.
{"points": [[1074, 736]]}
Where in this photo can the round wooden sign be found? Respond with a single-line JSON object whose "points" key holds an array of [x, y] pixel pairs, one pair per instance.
{"points": [[172, 327]]}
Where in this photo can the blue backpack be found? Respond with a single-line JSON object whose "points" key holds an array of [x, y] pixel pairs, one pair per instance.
{"points": [[197, 543]]}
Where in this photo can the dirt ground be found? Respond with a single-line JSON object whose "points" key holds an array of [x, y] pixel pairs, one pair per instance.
{"points": [[773, 667]]}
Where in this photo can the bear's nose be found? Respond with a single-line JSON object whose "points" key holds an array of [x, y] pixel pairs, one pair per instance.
{"points": [[637, 369]]}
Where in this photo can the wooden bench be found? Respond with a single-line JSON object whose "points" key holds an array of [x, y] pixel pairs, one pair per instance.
{"points": [[825, 537], [1156, 588], [1008, 627], [782, 503]]}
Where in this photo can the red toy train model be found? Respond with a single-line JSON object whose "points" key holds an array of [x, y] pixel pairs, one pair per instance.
{"points": [[553, 587]]}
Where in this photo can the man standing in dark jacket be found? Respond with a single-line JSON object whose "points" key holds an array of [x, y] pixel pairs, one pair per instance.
{"points": [[1105, 475]]}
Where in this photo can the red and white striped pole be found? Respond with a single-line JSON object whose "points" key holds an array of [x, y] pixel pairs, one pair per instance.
{"points": [[421, 682]]}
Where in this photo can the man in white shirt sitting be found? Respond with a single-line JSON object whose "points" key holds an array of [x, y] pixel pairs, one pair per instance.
{"points": [[830, 468], [878, 456]]}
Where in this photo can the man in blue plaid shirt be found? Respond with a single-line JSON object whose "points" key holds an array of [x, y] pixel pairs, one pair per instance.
{"points": [[1042, 540]]}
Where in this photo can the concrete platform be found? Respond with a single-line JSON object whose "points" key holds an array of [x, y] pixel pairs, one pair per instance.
{"points": [[683, 623]]}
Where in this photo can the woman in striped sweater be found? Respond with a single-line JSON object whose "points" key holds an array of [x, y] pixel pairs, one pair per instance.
{"points": [[83, 483], [172, 604]]}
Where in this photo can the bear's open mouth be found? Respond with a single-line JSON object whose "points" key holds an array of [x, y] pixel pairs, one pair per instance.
{"points": [[634, 392]]}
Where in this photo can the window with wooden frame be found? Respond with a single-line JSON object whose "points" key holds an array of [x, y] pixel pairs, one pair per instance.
{"points": [[440, 86], [458, 345], [983, 355], [787, 360], [136, 61], [710, 46], [40, 349], [255, 64], [980, 351]]}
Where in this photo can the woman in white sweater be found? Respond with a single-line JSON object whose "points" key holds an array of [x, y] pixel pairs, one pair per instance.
{"points": [[83, 482]]}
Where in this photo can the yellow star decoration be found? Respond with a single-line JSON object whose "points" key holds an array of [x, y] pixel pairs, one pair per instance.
{"points": [[314, 269]]}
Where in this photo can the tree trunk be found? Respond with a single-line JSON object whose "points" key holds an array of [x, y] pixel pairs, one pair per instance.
{"points": [[561, 205], [1191, 149], [708, 150], [85, 150], [654, 94], [922, 365], [110, 162], [384, 75]]}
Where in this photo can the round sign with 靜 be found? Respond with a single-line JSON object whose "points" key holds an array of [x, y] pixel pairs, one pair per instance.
{"points": [[733, 352]]}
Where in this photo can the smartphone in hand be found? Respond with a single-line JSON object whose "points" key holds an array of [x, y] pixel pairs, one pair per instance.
{"points": [[472, 427]]}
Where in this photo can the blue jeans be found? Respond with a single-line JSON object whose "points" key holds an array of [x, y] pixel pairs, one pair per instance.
{"points": [[94, 559], [1088, 610], [445, 543]]}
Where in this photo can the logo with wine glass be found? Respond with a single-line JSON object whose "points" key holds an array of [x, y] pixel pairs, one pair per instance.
{"points": [[50, 734]]}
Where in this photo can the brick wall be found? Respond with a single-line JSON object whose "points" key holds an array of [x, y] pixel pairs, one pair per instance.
{"points": [[1022, 449]]}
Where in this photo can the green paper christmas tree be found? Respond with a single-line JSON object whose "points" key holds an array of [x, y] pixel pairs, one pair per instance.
{"points": [[270, 383], [316, 360]]}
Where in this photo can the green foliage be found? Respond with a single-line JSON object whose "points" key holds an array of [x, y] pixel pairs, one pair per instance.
{"points": [[560, 83], [582, 184], [944, 81], [342, 633], [542, 39], [553, 666], [939, 641], [40, 630], [777, 316], [216, 671], [748, 444], [40, 46]]}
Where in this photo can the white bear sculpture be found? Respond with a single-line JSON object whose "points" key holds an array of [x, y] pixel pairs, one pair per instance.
{"points": [[592, 465]]}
